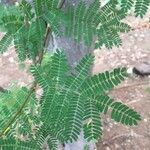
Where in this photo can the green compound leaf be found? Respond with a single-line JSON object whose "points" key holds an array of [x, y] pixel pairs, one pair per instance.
{"points": [[44, 134], [92, 122], [11, 104], [141, 7], [103, 82], [103, 102], [12, 144], [5, 42], [126, 5], [29, 40], [123, 114], [72, 99]]}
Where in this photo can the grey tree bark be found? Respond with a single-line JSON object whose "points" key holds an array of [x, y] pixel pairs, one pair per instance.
{"points": [[8, 1]]}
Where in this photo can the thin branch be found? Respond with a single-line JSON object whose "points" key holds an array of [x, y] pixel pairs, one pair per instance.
{"points": [[32, 89], [132, 85], [61, 3], [46, 41], [19, 111]]}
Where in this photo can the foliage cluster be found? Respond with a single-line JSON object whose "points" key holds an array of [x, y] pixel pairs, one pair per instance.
{"points": [[72, 98]]}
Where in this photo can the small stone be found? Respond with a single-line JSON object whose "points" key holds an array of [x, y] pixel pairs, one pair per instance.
{"points": [[136, 35], [129, 141], [116, 146], [130, 70], [124, 61], [140, 39], [107, 148], [22, 84], [108, 129], [135, 47], [11, 60], [142, 35], [5, 54], [115, 123]]}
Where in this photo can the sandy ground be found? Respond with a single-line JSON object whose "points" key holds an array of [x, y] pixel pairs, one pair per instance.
{"points": [[133, 92], [135, 48]]}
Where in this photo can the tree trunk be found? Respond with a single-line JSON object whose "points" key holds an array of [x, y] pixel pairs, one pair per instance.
{"points": [[75, 52]]}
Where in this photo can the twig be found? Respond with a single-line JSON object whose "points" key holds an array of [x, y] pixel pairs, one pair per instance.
{"points": [[19, 111], [61, 3], [32, 89], [46, 41], [132, 85], [133, 101]]}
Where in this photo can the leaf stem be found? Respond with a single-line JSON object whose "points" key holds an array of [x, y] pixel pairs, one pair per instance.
{"points": [[19, 111], [61, 3], [32, 89]]}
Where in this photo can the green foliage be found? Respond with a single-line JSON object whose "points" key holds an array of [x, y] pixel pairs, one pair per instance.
{"points": [[108, 81], [126, 5], [56, 19], [26, 8], [10, 21], [125, 115], [72, 99], [52, 143], [44, 135], [11, 103], [92, 122], [103, 102], [70, 102], [5, 42], [12, 144], [140, 6], [86, 147], [29, 40], [94, 24], [28, 33], [8, 10]]}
